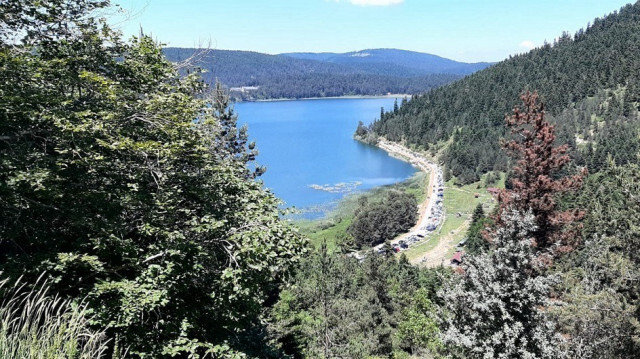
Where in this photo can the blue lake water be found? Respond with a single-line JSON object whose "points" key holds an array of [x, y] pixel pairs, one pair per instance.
{"points": [[311, 157]]}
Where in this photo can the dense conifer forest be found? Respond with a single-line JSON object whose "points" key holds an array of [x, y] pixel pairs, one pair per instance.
{"points": [[394, 62], [376, 222], [589, 82], [314, 75], [132, 224]]}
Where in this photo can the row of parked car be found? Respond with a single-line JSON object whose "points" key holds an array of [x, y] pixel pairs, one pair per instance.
{"points": [[437, 211], [433, 221]]}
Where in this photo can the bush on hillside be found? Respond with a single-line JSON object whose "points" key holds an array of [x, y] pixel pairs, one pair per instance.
{"points": [[379, 221]]}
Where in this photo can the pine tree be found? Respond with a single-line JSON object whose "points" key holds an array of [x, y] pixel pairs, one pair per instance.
{"points": [[475, 240], [478, 213], [534, 182], [361, 130]]}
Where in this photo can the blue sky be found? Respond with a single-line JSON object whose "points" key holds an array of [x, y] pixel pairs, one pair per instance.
{"points": [[463, 30]]}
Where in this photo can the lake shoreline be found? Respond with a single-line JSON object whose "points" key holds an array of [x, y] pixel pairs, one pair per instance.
{"points": [[392, 149], [345, 97], [334, 223], [310, 153]]}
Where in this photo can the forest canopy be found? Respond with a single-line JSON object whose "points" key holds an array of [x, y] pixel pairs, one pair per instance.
{"points": [[285, 76], [132, 224], [589, 82], [129, 185]]}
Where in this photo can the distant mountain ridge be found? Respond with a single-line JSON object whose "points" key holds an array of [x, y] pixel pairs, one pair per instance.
{"points": [[410, 61], [297, 75]]}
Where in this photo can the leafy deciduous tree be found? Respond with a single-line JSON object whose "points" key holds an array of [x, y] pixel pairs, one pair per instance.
{"points": [[495, 309], [377, 222], [130, 184]]}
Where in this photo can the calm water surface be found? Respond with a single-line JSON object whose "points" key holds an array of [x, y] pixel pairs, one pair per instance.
{"points": [[311, 157]]}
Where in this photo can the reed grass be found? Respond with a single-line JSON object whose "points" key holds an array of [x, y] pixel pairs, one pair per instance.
{"points": [[37, 325]]}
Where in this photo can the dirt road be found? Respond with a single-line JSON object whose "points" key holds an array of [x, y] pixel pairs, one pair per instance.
{"points": [[425, 165]]}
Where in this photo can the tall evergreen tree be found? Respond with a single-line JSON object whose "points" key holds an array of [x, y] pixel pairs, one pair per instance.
{"points": [[478, 213], [534, 181], [600, 292]]}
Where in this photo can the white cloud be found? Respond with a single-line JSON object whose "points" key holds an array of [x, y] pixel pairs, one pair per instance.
{"points": [[527, 44], [373, 2]]}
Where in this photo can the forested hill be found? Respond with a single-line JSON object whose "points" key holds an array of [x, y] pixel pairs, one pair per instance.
{"points": [[405, 62], [319, 75], [589, 82]]}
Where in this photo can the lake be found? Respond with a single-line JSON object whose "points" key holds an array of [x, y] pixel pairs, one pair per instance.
{"points": [[311, 157]]}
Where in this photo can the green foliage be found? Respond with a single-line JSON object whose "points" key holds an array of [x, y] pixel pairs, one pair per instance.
{"points": [[493, 309], [470, 112], [418, 326], [339, 307], [37, 325], [131, 185], [362, 130], [617, 139], [599, 287], [478, 214], [491, 179], [333, 227], [282, 76], [364, 134], [379, 221], [475, 239]]}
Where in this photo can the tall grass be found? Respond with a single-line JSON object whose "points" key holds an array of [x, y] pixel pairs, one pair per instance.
{"points": [[37, 325]]}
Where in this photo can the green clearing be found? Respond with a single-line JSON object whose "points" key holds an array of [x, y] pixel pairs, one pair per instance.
{"points": [[457, 200], [334, 225]]}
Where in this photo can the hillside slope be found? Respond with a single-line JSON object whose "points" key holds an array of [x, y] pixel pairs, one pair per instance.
{"points": [[318, 75], [406, 61], [244, 68], [466, 117]]}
